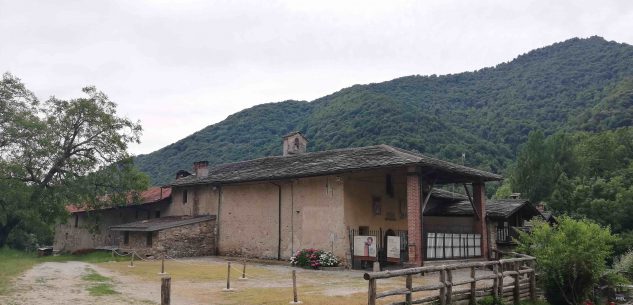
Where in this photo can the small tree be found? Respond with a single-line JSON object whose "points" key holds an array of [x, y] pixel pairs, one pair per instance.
{"points": [[571, 256]]}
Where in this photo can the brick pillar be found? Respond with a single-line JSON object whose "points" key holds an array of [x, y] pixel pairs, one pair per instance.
{"points": [[414, 219], [479, 199]]}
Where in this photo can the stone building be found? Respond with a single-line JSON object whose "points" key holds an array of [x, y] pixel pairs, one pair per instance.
{"points": [[89, 228], [271, 207], [175, 236]]}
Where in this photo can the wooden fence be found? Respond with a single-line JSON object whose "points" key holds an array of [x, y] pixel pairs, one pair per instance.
{"points": [[513, 280]]}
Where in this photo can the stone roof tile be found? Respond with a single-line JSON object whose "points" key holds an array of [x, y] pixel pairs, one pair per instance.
{"points": [[334, 162]]}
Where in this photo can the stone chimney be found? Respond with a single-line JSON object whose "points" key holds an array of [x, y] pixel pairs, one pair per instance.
{"points": [[182, 173], [201, 169], [540, 207], [294, 143]]}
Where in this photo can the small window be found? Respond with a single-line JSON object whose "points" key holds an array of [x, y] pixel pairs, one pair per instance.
{"points": [[157, 214], [184, 196], [149, 239], [389, 186], [76, 220], [126, 237]]}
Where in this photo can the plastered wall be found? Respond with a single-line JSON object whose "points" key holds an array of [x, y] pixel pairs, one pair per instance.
{"points": [[201, 200], [362, 189], [311, 216], [318, 216]]}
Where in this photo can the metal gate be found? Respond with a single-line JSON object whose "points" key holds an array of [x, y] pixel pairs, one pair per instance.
{"points": [[452, 245]]}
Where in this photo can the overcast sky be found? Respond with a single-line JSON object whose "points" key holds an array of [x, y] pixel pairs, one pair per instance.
{"points": [[178, 66]]}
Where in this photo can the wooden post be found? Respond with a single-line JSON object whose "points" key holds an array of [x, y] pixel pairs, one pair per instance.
{"points": [[516, 297], [132, 261], [449, 289], [443, 288], [294, 288], [408, 296], [495, 281], [228, 279], [244, 270], [162, 265], [371, 296], [473, 287], [228, 276], [532, 276], [165, 290], [500, 292]]}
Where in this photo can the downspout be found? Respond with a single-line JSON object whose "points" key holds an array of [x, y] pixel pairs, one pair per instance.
{"points": [[292, 218], [217, 221], [278, 222]]}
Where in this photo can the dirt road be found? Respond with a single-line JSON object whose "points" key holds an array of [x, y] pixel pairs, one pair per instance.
{"points": [[194, 282], [64, 284]]}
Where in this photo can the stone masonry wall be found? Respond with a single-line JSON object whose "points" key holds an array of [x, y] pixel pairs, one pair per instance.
{"points": [[193, 240], [92, 230], [197, 239]]}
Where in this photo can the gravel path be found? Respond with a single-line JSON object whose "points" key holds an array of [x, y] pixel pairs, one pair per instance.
{"points": [[62, 283]]}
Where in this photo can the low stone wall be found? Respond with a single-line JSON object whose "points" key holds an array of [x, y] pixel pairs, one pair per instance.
{"points": [[196, 239], [192, 240]]}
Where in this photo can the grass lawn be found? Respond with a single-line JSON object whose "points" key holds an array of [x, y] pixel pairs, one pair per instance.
{"points": [[202, 281], [14, 262], [270, 285], [100, 285]]}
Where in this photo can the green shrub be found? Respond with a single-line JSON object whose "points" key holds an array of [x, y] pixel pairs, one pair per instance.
{"points": [[571, 257], [624, 264], [537, 302], [490, 300]]}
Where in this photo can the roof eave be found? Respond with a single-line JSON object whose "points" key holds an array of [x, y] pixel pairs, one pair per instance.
{"points": [[467, 177]]}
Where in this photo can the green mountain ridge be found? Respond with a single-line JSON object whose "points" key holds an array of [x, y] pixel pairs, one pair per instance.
{"points": [[578, 84]]}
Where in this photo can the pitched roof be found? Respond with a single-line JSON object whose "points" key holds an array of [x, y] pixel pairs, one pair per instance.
{"points": [[502, 208], [455, 208], [157, 224], [447, 195], [149, 196], [294, 133], [333, 162]]}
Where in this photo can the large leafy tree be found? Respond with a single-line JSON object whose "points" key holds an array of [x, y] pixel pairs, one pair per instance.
{"points": [[57, 151]]}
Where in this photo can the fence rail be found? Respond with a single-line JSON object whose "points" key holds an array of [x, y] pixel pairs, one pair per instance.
{"points": [[521, 269]]}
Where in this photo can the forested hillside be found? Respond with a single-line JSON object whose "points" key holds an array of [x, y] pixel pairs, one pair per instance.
{"points": [[581, 174], [578, 84]]}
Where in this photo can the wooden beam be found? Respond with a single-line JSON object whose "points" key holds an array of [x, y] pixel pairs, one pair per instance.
{"points": [[428, 196], [472, 203]]}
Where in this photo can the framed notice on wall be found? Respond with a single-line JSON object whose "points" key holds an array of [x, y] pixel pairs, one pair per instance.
{"points": [[376, 206], [365, 247], [393, 249]]}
